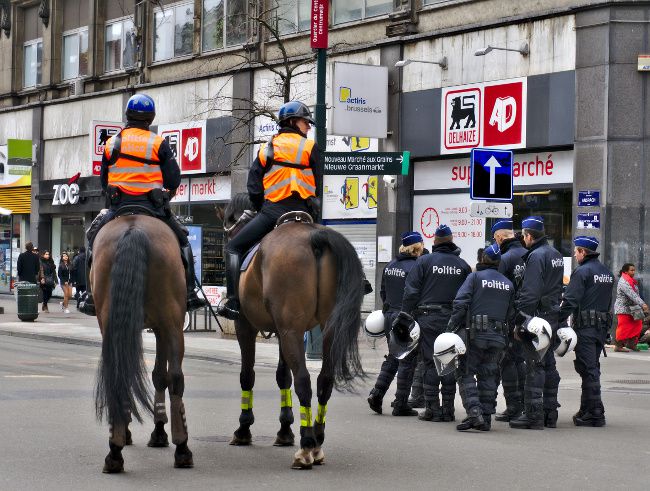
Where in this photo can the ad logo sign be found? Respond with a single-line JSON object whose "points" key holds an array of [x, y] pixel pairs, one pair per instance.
{"points": [[187, 142], [504, 115]]}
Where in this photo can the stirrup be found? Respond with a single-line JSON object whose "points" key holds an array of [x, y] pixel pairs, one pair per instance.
{"points": [[229, 309]]}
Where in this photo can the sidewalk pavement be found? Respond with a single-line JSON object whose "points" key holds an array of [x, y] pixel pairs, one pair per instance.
{"points": [[77, 328]]}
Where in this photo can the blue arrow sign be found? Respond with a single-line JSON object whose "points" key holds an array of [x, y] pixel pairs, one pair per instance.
{"points": [[491, 174]]}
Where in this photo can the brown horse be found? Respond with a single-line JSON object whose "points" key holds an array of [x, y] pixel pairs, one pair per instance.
{"points": [[138, 281], [303, 275]]}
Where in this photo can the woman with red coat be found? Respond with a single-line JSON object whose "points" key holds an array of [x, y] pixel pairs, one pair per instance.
{"points": [[628, 300]]}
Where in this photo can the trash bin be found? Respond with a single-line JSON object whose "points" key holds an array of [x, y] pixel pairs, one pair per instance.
{"points": [[27, 300]]}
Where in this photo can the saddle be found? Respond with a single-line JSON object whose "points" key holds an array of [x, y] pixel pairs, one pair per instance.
{"points": [[133, 209]]}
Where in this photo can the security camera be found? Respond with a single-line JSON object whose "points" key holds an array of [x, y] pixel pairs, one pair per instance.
{"points": [[390, 181]]}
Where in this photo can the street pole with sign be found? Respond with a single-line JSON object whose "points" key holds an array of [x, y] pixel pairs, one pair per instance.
{"points": [[319, 19]]}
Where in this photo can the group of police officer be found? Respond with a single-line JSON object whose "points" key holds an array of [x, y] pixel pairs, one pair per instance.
{"points": [[503, 322]]}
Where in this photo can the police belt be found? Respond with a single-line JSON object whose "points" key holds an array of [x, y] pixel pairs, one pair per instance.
{"points": [[593, 319], [482, 323], [431, 308]]}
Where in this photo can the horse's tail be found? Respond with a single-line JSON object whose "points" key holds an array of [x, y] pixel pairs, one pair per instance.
{"points": [[345, 319], [121, 375]]}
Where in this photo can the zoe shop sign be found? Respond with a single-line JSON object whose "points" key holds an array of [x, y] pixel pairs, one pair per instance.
{"points": [[66, 194]]}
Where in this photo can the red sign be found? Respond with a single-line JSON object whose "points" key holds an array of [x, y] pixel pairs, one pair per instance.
{"points": [[503, 114], [462, 118], [191, 157], [319, 19], [187, 143]]}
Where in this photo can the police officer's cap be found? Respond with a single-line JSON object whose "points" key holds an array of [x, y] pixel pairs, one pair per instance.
{"points": [[443, 231], [587, 242], [505, 224], [493, 252], [533, 223], [410, 238]]}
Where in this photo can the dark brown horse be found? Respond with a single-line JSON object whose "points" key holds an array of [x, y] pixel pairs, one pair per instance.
{"points": [[303, 275], [138, 281]]}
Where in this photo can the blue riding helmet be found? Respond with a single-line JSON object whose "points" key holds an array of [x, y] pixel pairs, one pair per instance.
{"points": [[141, 108], [294, 109]]}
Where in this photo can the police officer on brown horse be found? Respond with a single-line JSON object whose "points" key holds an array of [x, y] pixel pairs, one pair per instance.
{"points": [[137, 165], [285, 176]]}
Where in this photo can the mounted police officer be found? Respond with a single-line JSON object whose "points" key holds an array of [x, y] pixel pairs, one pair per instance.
{"points": [[137, 165], [483, 309], [391, 293], [513, 364], [431, 287], [588, 300], [285, 176], [539, 296]]}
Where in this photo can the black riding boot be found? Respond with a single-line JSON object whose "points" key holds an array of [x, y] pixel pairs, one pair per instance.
{"points": [[193, 301], [230, 309], [86, 304]]}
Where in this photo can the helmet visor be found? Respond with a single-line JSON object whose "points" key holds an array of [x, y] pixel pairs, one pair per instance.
{"points": [[446, 361], [400, 349]]}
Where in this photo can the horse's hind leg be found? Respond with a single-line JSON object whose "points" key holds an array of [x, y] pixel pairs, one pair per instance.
{"points": [[159, 436], [246, 338], [176, 382], [324, 386], [285, 436]]}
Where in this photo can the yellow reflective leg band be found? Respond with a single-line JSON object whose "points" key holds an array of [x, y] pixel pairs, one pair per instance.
{"points": [[246, 399], [305, 416], [285, 398], [320, 416]]}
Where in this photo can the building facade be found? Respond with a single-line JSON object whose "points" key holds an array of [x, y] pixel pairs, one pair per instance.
{"points": [[567, 97]]}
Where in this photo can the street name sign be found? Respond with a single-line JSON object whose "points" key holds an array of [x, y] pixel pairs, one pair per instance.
{"points": [[588, 220], [491, 174], [491, 210], [588, 198], [370, 163]]}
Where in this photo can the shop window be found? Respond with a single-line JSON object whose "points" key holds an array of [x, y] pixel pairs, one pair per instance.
{"points": [[75, 54], [119, 49], [225, 23], [291, 16], [32, 60], [351, 10], [173, 31]]}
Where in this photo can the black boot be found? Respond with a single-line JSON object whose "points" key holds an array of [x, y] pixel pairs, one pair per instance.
{"points": [[193, 301], [594, 416], [447, 409], [230, 309], [86, 303], [375, 400], [475, 420], [531, 419], [550, 418], [511, 412], [431, 411], [402, 408], [416, 402]]}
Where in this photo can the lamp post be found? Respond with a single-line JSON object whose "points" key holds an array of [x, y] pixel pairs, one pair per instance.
{"points": [[523, 50], [442, 63]]}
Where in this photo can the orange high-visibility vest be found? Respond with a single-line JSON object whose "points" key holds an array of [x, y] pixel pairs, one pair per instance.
{"points": [[136, 169], [288, 155]]}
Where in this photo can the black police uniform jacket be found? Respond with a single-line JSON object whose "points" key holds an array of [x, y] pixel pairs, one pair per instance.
{"points": [[484, 292], [435, 278], [512, 264], [590, 288], [393, 280], [541, 289]]}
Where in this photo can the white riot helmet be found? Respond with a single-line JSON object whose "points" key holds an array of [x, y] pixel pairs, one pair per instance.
{"points": [[446, 350], [404, 336], [374, 325], [536, 334], [568, 340]]}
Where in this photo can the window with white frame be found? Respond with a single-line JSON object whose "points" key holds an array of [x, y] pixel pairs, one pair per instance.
{"points": [[75, 53], [350, 10], [173, 31], [291, 15], [224, 24], [32, 59], [119, 45]]}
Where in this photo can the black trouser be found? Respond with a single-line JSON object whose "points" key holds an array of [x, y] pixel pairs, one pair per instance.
{"points": [[513, 374], [478, 371], [587, 364], [431, 326], [47, 294]]}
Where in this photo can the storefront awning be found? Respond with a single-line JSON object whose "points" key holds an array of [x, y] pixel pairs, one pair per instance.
{"points": [[17, 200]]}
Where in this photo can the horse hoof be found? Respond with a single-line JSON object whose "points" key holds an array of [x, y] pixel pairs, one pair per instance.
{"points": [[284, 440], [183, 457], [128, 440], [158, 440], [318, 456], [242, 440], [302, 460], [113, 466]]}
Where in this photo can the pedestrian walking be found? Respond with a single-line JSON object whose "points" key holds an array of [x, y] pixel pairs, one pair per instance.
{"points": [[513, 363], [430, 289], [391, 292], [65, 274], [47, 278], [79, 274], [588, 300], [630, 309], [539, 296], [28, 264]]}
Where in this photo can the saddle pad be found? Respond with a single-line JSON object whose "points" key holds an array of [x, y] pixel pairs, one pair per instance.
{"points": [[249, 257]]}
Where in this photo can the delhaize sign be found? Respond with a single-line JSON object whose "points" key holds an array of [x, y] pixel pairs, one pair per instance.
{"points": [[489, 114], [188, 143], [16, 163], [99, 134]]}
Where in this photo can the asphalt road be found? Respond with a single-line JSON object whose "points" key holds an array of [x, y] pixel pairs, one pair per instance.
{"points": [[50, 439]]}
